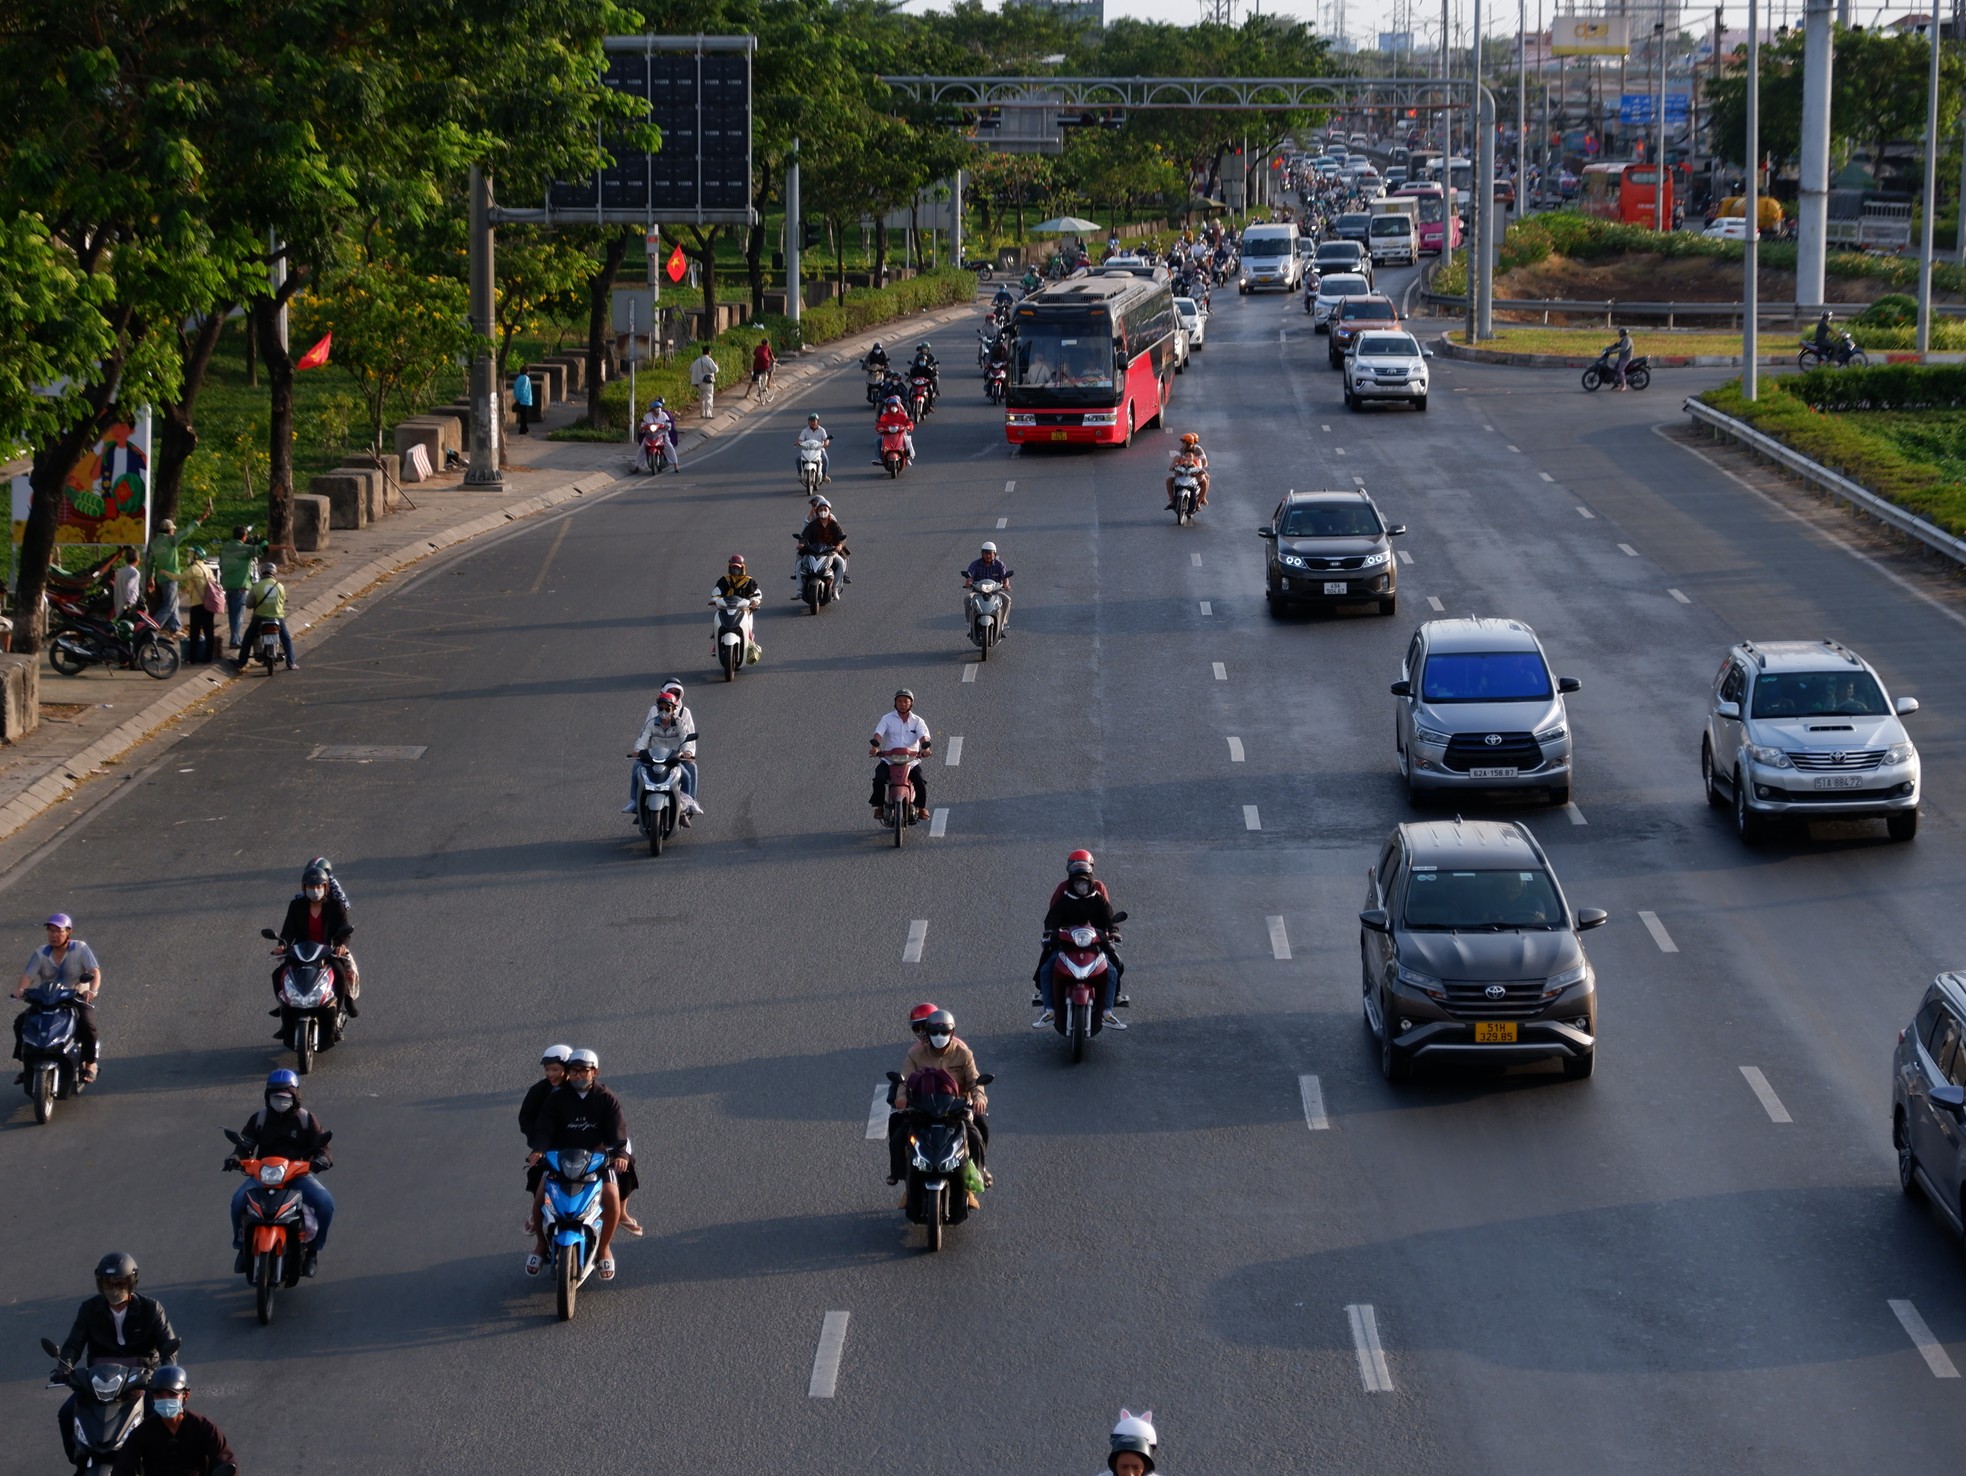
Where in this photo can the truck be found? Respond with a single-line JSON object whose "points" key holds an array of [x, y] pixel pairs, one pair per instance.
{"points": [[1394, 235]]}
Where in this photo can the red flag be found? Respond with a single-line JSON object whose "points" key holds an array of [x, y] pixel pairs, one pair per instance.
{"points": [[315, 357]]}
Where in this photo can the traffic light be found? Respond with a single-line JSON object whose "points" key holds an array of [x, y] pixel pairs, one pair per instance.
{"points": [[811, 235]]}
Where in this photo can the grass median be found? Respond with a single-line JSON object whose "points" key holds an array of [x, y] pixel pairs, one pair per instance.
{"points": [[1588, 343]]}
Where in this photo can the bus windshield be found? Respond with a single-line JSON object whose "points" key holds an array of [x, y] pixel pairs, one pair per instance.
{"points": [[1072, 363]]}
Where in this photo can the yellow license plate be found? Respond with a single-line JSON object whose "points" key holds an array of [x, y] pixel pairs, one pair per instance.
{"points": [[1058, 435], [1495, 1032]]}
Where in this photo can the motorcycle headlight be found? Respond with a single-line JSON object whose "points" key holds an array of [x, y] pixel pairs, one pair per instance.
{"points": [[1557, 983], [1427, 984], [1899, 753], [1774, 758], [954, 1161], [1374, 560]]}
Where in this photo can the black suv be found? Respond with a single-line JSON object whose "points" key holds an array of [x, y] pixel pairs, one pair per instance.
{"points": [[1468, 951], [1330, 548]]}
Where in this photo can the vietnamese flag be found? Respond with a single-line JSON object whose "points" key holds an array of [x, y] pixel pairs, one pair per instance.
{"points": [[315, 357]]}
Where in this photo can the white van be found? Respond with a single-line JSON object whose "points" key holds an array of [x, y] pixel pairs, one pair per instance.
{"points": [[1392, 238], [1269, 258]]}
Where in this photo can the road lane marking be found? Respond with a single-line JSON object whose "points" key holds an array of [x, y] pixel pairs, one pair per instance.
{"points": [[1678, 596], [1195, 559], [954, 757], [1575, 815], [969, 672], [1433, 603], [1002, 523], [1516, 449], [1207, 608], [1339, 451], [1658, 931], [1770, 1103], [1627, 550], [911, 951], [1221, 672], [1929, 1347], [1250, 819], [826, 1360], [938, 823], [1584, 512], [1011, 485], [1324, 428], [1359, 480], [1546, 476], [1235, 750], [546, 564], [1313, 1096], [877, 1115], [1487, 427], [1279, 939], [1405, 557], [1372, 1370]]}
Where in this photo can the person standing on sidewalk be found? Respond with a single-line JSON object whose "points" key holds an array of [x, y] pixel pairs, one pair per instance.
{"points": [[195, 589], [161, 570], [703, 374], [126, 586], [522, 401], [237, 562]]}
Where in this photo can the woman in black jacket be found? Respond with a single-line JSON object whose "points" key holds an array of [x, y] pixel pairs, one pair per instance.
{"points": [[318, 915]]}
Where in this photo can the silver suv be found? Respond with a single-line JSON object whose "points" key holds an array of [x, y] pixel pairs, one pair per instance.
{"points": [[1804, 728], [1928, 1099], [1479, 710]]}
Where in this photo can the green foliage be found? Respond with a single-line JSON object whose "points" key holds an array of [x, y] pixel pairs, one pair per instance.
{"points": [[1892, 310], [395, 332], [52, 329], [1881, 387]]}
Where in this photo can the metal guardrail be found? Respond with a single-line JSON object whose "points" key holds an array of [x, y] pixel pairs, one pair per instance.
{"points": [[1614, 310], [1837, 485]]}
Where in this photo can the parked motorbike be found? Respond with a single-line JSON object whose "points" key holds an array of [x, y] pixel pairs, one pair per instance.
{"points": [[920, 397], [659, 794], [733, 635], [266, 647], [51, 1047], [312, 1017], [894, 451], [817, 575], [277, 1224], [1843, 354], [570, 1210], [940, 1179], [1081, 984], [1638, 373], [81, 640], [898, 813], [994, 377], [1187, 496], [812, 466], [983, 604], [109, 1405]]}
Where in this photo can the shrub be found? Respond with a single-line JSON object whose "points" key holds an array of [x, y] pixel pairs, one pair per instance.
{"points": [[1892, 310]]}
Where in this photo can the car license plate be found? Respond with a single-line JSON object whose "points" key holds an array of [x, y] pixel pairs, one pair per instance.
{"points": [[1337, 586], [1493, 773], [1841, 781], [1058, 435], [1495, 1032]]}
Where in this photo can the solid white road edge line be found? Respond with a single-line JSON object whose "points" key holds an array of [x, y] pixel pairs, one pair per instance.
{"points": [[1279, 939], [953, 759], [1250, 819], [826, 1359], [911, 951], [1372, 1370], [938, 823], [1658, 931], [1221, 671], [1235, 750], [1678, 596], [1770, 1103], [877, 1115], [1313, 1098], [1929, 1347]]}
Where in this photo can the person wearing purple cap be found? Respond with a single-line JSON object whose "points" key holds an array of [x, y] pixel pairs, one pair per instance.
{"points": [[69, 961]]}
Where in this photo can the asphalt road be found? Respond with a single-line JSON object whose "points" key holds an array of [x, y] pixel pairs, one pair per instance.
{"points": [[1643, 1272]]}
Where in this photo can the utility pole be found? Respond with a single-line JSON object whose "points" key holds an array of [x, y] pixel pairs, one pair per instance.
{"points": [[1931, 193], [1521, 107], [1660, 180], [794, 240], [1751, 256], [487, 422], [1812, 218], [1481, 115]]}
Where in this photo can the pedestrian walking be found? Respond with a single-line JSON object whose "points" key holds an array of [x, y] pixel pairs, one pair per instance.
{"points": [[238, 561], [522, 401], [703, 374], [201, 604], [126, 585]]}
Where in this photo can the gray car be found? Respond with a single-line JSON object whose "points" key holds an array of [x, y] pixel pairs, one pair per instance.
{"points": [[1479, 710], [1804, 729], [1468, 952], [1330, 548], [1928, 1099]]}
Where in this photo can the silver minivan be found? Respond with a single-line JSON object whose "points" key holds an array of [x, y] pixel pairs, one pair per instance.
{"points": [[1928, 1099], [1479, 710]]}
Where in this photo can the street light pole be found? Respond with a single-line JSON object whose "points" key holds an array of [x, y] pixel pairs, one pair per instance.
{"points": [[1750, 338], [1931, 193]]}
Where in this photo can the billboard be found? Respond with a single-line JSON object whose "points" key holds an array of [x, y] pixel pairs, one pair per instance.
{"points": [[1395, 42], [107, 496], [1642, 107], [1590, 35]]}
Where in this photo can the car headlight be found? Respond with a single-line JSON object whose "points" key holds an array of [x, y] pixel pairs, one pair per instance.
{"points": [[1428, 735], [1552, 735], [1774, 758], [1427, 984], [1374, 560], [1557, 983], [1900, 753], [1292, 561]]}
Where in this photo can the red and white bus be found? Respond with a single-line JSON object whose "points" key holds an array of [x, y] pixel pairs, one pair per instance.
{"points": [[1624, 192], [1440, 214], [1094, 360]]}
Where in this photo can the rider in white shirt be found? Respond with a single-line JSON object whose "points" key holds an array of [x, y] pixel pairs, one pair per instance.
{"points": [[668, 725], [663, 423], [900, 729], [812, 433]]}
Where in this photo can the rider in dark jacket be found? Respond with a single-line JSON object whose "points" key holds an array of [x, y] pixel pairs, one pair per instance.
{"points": [[318, 913], [114, 1326], [1080, 900], [285, 1129]]}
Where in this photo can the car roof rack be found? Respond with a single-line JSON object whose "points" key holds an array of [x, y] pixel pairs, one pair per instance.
{"points": [[1844, 651]]}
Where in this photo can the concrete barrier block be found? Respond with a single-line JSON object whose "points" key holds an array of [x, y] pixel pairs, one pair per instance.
{"points": [[450, 433], [310, 523], [554, 377], [429, 434], [345, 494], [20, 696], [576, 367], [389, 464]]}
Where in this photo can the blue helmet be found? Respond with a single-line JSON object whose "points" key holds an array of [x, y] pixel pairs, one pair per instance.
{"points": [[283, 1079]]}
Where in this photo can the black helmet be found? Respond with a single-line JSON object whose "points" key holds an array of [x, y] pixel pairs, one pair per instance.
{"points": [[323, 865], [1134, 1433], [117, 1266], [314, 876], [170, 1379]]}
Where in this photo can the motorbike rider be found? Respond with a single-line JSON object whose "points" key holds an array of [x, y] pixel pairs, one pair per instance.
{"points": [[736, 583], [894, 419], [987, 565], [1079, 899], [900, 728], [114, 1326], [1189, 457], [658, 423], [315, 915], [876, 358], [823, 529], [65, 960], [1134, 1442], [925, 363], [938, 1047], [812, 433], [552, 1076], [1032, 281], [669, 725], [998, 356], [1004, 301], [171, 1440], [1823, 334], [585, 1114], [266, 604], [282, 1128], [1623, 349]]}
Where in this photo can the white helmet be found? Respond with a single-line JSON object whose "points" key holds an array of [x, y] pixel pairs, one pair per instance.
{"points": [[1135, 1433], [584, 1057], [560, 1053]]}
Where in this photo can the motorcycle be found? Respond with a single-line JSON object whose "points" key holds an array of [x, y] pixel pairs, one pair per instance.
{"points": [[659, 794], [312, 1016], [734, 643], [940, 1179], [817, 575], [266, 647], [898, 813], [1081, 983], [1187, 493], [983, 604], [894, 451], [276, 1224], [109, 1405], [1843, 354], [921, 398], [135, 642], [812, 467], [876, 383], [994, 376], [1638, 373], [655, 452], [51, 1047], [570, 1211]]}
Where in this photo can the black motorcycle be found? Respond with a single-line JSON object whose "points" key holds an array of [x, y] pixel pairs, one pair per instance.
{"points": [[994, 376], [1842, 354], [939, 1173], [311, 1014], [136, 641], [1638, 373], [51, 1047], [108, 1406]]}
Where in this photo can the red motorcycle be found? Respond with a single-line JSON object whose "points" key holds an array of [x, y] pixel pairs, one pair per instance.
{"points": [[921, 396], [993, 382], [1082, 983], [276, 1223], [894, 451], [81, 638]]}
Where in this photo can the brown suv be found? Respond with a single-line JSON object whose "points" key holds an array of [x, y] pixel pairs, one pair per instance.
{"points": [[1356, 314]]}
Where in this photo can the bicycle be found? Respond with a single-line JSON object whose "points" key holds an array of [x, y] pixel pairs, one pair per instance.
{"points": [[762, 389]]}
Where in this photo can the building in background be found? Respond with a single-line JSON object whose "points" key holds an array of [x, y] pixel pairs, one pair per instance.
{"points": [[1079, 10]]}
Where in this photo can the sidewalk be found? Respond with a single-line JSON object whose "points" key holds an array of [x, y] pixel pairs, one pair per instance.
{"points": [[91, 722]]}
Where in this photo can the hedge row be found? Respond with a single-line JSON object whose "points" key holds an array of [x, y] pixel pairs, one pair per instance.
{"points": [[1841, 442]]}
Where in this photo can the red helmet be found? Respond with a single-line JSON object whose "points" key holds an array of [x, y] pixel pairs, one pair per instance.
{"points": [[1078, 861], [737, 561], [919, 1015]]}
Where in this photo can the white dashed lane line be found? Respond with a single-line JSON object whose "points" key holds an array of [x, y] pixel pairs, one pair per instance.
{"points": [[1929, 1347], [969, 672], [1325, 428], [1313, 1098], [1678, 596], [911, 951], [938, 823], [1546, 476], [1575, 815], [1011, 485], [1584, 512], [1405, 557], [1235, 750], [1250, 819], [1339, 451], [826, 1360], [954, 757], [1002, 523], [1658, 931], [1221, 672], [877, 1115], [1516, 449], [1433, 603], [1195, 559], [1770, 1103], [1372, 1369], [1207, 608], [1627, 550], [1279, 939]]}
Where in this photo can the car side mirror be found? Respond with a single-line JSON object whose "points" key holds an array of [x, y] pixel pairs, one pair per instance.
{"points": [[1266, 532], [1569, 684], [1402, 689], [1375, 920], [1395, 530], [986, 1078], [269, 933], [1591, 917], [1426, 353], [1119, 917], [1905, 706], [1951, 1099]]}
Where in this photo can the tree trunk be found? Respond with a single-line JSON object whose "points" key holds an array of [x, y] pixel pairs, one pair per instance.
{"points": [[705, 254], [880, 251], [177, 431], [754, 264], [600, 287], [279, 423], [838, 233]]}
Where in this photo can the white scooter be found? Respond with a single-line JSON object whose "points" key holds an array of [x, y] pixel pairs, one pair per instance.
{"points": [[983, 603], [733, 632], [1187, 496], [659, 799]]}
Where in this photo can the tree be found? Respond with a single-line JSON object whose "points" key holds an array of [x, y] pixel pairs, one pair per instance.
{"points": [[1878, 89], [52, 330]]}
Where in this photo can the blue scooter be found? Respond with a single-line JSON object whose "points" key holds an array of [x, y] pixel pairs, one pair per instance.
{"points": [[572, 1217], [50, 1047]]}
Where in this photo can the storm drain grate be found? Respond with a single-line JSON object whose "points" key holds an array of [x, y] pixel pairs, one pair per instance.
{"points": [[366, 753]]}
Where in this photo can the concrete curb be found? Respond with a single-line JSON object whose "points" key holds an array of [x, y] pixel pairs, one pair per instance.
{"points": [[1451, 350]]}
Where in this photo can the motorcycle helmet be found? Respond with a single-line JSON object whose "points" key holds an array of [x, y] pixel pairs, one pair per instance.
{"points": [[560, 1053], [1079, 862], [918, 1017], [170, 1380], [921, 348], [736, 562], [1134, 1433], [118, 1268], [901, 692], [283, 1080], [324, 865], [939, 1028], [314, 876], [893, 402], [988, 547], [1190, 439], [584, 1057], [813, 419]]}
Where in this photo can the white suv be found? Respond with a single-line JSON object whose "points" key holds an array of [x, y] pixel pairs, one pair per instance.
{"points": [[1804, 729]]}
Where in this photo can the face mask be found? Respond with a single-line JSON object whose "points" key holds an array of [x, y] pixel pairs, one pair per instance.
{"points": [[940, 1042], [315, 894], [167, 1409], [1081, 887], [281, 1102]]}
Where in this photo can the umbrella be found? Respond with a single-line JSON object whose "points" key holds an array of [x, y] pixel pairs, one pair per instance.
{"points": [[1066, 225], [1204, 204]]}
